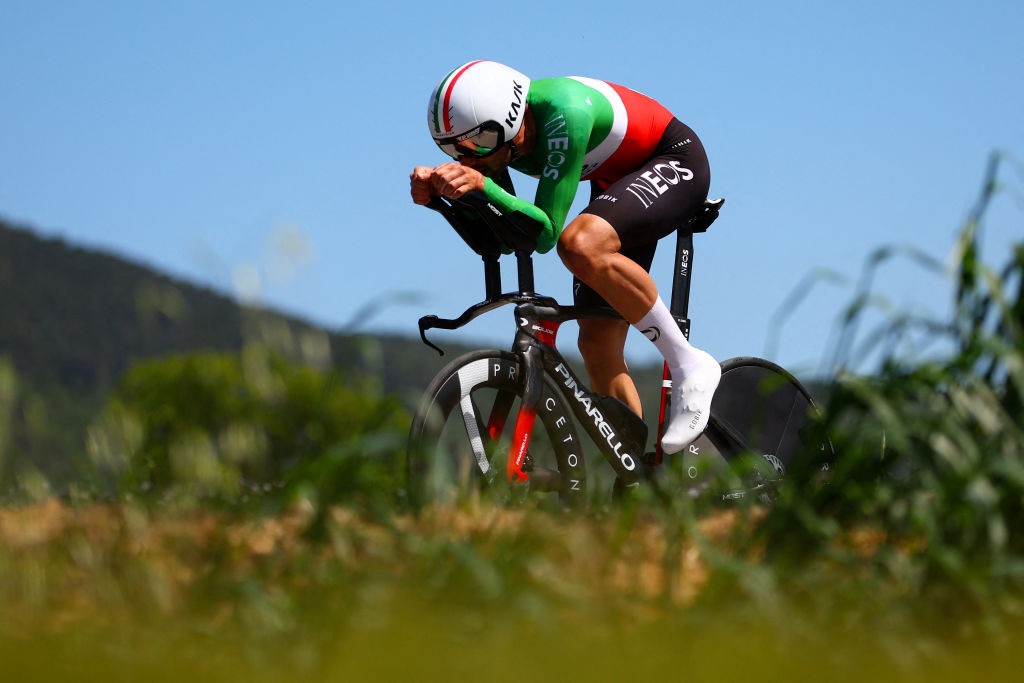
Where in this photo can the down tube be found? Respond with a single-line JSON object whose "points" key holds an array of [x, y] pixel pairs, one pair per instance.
{"points": [[621, 451]]}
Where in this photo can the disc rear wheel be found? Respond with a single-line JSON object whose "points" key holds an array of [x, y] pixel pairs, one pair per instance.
{"points": [[761, 410]]}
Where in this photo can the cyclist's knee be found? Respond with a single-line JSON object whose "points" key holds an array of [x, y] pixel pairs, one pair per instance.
{"points": [[574, 251], [584, 242]]}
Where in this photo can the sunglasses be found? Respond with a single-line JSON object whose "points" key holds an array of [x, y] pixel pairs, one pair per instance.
{"points": [[487, 138]]}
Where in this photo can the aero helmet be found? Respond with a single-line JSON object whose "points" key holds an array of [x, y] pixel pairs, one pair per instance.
{"points": [[482, 102]]}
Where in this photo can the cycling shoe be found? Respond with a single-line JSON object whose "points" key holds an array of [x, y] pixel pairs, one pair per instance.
{"points": [[691, 403]]}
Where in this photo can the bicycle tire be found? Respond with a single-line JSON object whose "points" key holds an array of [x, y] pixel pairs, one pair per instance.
{"points": [[766, 411], [452, 454]]}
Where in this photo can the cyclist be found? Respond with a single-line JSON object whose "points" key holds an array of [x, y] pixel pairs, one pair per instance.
{"points": [[648, 173]]}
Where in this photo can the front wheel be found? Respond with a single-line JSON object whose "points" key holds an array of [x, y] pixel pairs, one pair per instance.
{"points": [[461, 434]]}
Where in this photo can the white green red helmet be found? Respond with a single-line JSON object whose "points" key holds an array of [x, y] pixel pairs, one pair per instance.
{"points": [[482, 102]]}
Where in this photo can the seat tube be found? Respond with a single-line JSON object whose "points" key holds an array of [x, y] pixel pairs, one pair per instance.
{"points": [[682, 274], [680, 308]]}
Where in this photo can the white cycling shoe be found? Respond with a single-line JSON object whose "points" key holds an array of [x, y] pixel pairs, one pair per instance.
{"points": [[691, 404]]}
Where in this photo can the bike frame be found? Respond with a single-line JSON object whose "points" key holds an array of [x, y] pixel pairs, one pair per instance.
{"points": [[618, 432]]}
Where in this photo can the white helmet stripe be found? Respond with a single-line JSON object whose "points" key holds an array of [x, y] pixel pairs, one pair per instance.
{"points": [[442, 113]]}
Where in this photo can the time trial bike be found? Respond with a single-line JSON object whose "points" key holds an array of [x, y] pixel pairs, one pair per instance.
{"points": [[495, 417]]}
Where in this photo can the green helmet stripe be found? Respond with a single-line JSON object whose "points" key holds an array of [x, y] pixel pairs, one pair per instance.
{"points": [[437, 101]]}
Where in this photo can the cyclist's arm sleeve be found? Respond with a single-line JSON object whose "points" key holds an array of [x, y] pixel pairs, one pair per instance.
{"points": [[559, 180], [507, 201]]}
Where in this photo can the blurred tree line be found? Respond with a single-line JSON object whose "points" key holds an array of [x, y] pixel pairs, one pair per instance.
{"points": [[74, 321]]}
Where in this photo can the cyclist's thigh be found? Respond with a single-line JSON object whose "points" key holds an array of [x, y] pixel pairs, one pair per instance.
{"points": [[583, 295]]}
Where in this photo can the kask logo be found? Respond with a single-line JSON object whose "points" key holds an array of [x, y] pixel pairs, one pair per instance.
{"points": [[517, 103]]}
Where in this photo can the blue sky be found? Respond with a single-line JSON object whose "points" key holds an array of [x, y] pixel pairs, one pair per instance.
{"points": [[264, 148]]}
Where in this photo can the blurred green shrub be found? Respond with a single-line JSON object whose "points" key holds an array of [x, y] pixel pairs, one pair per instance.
{"points": [[928, 487], [233, 427]]}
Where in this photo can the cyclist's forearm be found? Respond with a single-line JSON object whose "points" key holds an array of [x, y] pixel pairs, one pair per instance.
{"points": [[508, 202]]}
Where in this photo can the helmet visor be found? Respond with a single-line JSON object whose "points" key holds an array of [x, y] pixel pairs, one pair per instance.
{"points": [[484, 140]]}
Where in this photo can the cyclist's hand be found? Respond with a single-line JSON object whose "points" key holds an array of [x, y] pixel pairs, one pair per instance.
{"points": [[452, 180], [419, 183]]}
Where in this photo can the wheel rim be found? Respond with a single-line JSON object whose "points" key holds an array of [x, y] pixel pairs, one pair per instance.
{"points": [[453, 453]]}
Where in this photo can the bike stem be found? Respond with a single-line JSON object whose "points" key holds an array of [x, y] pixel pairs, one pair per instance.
{"points": [[524, 266], [492, 277]]}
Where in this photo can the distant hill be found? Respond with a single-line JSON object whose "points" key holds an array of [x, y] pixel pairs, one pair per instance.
{"points": [[72, 320]]}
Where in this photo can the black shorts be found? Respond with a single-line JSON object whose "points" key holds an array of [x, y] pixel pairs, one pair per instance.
{"points": [[653, 201]]}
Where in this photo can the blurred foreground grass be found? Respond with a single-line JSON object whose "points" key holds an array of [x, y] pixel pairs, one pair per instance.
{"points": [[115, 592], [242, 517]]}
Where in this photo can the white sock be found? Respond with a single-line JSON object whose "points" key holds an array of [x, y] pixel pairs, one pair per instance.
{"points": [[661, 328], [695, 375]]}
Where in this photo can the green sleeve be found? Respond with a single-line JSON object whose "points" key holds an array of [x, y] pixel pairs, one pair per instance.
{"points": [[564, 140], [557, 161], [509, 202], [504, 180]]}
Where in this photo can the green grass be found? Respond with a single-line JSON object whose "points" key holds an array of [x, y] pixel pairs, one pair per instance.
{"points": [[117, 592]]}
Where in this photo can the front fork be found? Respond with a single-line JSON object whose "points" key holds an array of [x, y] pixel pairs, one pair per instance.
{"points": [[527, 415], [544, 331]]}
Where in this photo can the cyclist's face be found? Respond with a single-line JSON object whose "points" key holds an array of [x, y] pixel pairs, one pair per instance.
{"points": [[493, 162]]}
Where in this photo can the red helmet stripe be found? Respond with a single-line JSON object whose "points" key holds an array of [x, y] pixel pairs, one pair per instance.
{"points": [[448, 94]]}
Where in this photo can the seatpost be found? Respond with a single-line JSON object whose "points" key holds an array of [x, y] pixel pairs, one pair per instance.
{"points": [[683, 265]]}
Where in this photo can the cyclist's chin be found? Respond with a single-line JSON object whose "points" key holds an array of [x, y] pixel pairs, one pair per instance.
{"points": [[487, 165]]}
